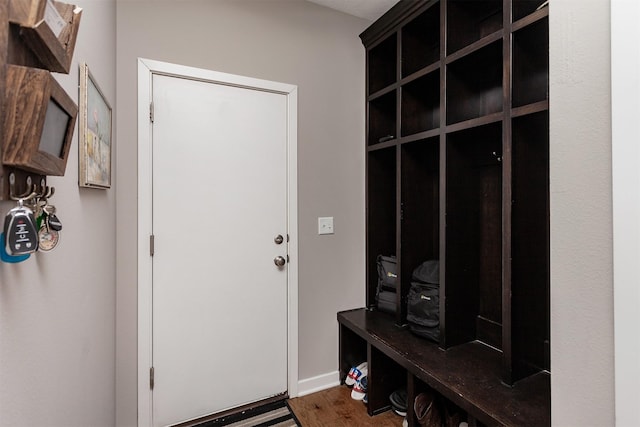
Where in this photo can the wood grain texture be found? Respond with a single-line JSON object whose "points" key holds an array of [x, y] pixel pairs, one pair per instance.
{"points": [[26, 12], [55, 53], [4, 47], [27, 97], [334, 407]]}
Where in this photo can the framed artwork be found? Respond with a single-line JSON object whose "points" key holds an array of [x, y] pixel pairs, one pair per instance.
{"points": [[95, 134]]}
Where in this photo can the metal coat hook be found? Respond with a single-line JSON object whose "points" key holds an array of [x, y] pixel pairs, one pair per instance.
{"points": [[28, 195], [46, 192]]}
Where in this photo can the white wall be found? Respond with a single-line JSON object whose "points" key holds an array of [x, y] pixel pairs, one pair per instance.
{"points": [[625, 82], [582, 362], [290, 41], [57, 309]]}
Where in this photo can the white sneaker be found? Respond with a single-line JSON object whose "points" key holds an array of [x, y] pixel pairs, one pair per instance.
{"points": [[355, 373]]}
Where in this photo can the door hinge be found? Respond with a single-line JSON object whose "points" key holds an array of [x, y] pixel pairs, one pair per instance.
{"points": [[152, 244], [151, 116], [152, 379]]}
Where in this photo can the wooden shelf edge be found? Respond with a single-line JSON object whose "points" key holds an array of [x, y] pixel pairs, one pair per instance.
{"points": [[382, 92], [431, 133], [382, 145], [420, 73], [477, 122], [474, 47], [530, 19], [533, 108]]}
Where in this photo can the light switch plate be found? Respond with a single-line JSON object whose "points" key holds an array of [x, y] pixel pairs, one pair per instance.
{"points": [[325, 225]]}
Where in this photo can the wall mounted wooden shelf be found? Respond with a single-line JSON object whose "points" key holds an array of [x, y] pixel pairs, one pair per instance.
{"points": [[49, 29], [36, 37], [38, 123]]}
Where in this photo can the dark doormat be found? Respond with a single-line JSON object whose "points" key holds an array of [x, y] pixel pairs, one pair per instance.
{"points": [[276, 414]]}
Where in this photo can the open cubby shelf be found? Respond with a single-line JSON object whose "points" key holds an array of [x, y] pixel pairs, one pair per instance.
{"points": [[458, 170], [470, 21], [474, 84], [530, 64], [382, 115], [421, 41], [473, 237], [420, 105], [381, 202], [383, 61], [420, 194]]}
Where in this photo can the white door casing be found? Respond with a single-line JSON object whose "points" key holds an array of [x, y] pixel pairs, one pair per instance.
{"points": [[196, 80]]}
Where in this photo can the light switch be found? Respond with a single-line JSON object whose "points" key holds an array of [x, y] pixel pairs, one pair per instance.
{"points": [[325, 225]]}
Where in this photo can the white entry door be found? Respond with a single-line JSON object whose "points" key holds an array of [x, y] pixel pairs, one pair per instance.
{"points": [[219, 203]]}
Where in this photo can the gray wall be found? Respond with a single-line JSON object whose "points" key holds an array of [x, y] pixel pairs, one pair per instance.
{"points": [[289, 41], [57, 309], [581, 214]]}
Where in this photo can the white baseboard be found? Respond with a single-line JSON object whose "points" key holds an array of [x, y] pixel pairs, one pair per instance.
{"points": [[318, 383]]}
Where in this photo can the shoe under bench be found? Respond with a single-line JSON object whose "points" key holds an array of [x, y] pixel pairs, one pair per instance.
{"points": [[466, 375]]}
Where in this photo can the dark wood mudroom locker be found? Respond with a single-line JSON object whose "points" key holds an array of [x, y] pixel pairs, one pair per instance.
{"points": [[457, 151]]}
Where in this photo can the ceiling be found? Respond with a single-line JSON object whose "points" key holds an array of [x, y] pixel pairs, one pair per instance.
{"points": [[366, 9]]}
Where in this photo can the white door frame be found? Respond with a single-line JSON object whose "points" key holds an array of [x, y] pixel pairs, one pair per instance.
{"points": [[146, 69]]}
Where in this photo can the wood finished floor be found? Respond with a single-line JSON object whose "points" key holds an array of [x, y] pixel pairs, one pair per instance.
{"points": [[334, 407]]}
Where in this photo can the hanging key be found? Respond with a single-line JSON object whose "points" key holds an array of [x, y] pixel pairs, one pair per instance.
{"points": [[48, 235], [51, 218], [20, 230]]}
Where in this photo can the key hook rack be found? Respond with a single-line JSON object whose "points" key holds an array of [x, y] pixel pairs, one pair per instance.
{"points": [[45, 192]]}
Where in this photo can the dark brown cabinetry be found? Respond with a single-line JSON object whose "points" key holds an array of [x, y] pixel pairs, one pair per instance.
{"points": [[457, 170]]}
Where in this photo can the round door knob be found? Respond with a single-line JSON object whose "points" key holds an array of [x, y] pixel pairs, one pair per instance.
{"points": [[278, 239], [279, 261]]}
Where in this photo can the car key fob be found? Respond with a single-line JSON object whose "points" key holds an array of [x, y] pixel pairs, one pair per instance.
{"points": [[20, 231]]}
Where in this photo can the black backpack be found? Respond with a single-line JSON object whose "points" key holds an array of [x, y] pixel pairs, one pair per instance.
{"points": [[386, 289], [423, 301]]}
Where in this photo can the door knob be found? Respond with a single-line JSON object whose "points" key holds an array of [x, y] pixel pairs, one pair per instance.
{"points": [[279, 261], [278, 239]]}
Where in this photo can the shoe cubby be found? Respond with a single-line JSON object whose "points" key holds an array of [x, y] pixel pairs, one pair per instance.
{"points": [[469, 21], [530, 80], [381, 60], [529, 285], [385, 376], [382, 112], [523, 8], [420, 106], [421, 41], [419, 394], [473, 272], [474, 84], [353, 351], [381, 212], [420, 208]]}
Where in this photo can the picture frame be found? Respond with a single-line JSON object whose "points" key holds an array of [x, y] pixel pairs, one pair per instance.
{"points": [[95, 133], [39, 122]]}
